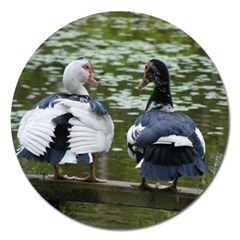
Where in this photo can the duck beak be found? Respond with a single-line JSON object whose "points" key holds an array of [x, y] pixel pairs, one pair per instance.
{"points": [[143, 83], [92, 81]]}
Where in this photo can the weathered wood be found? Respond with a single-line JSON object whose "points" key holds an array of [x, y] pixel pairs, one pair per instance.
{"points": [[112, 192]]}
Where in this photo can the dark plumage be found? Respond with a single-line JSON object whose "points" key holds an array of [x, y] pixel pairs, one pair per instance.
{"points": [[165, 144]]}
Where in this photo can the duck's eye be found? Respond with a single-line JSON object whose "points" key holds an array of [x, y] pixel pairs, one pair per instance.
{"points": [[147, 67], [86, 67]]}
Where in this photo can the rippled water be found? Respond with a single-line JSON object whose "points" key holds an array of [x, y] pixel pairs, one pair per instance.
{"points": [[117, 46]]}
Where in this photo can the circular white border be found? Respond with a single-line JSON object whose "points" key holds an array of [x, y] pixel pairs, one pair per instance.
{"points": [[26, 24]]}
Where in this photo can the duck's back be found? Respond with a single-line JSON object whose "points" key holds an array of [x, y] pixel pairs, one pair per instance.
{"points": [[53, 99], [65, 128], [172, 145]]}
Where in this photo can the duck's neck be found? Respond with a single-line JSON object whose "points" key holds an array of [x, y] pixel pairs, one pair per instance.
{"points": [[160, 98], [76, 88], [82, 90]]}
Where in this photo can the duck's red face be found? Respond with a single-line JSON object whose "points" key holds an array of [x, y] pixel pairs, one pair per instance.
{"points": [[145, 80], [90, 79]]}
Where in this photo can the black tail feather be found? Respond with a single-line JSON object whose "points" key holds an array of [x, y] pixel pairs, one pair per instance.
{"points": [[167, 162]]}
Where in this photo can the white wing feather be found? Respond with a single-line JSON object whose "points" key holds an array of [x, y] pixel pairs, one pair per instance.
{"points": [[36, 129], [199, 134], [90, 132], [133, 133], [179, 141]]}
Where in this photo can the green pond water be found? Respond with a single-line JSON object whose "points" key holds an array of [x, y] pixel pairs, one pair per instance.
{"points": [[117, 45]]}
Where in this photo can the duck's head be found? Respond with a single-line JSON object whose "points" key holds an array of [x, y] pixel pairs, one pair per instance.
{"points": [[76, 74], [155, 71]]}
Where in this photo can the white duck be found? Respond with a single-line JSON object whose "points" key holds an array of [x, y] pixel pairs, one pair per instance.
{"points": [[67, 127]]}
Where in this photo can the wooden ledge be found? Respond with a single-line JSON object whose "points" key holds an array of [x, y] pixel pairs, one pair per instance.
{"points": [[112, 192]]}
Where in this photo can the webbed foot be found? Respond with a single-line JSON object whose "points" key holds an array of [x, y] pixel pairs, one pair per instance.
{"points": [[62, 177], [92, 179], [145, 186]]}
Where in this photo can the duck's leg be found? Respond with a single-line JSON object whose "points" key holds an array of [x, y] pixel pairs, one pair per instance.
{"points": [[57, 174], [144, 185], [172, 187], [92, 176], [174, 184]]}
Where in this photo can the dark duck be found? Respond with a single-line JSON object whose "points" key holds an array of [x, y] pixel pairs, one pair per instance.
{"points": [[165, 144], [67, 127]]}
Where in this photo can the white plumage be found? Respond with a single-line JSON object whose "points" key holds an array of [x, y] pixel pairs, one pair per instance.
{"points": [[89, 132], [177, 141], [133, 133], [36, 129], [67, 127]]}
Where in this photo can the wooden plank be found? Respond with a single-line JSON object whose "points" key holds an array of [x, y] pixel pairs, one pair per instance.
{"points": [[112, 192]]}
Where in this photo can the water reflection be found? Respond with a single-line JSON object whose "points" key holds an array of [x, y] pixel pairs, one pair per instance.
{"points": [[117, 46]]}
